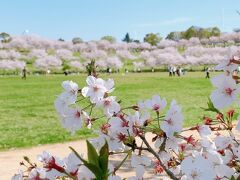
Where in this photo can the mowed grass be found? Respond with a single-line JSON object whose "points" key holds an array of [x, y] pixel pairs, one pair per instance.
{"points": [[28, 117]]}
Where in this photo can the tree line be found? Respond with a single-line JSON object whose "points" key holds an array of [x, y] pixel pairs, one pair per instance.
{"points": [[151, 38]]}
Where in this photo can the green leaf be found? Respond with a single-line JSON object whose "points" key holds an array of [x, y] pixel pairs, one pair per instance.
{"points": [[103, 158], [92, 154], [92, 167], [211, 107], [232, 178], [95, 170]]}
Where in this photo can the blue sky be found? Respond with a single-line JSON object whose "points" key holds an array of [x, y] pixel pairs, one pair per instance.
{"points": [[92, 19]]}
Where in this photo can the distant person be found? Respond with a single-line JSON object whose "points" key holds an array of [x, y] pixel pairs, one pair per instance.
{"points": [[170, 70], [184, 71], [108, 70], [207, 73], [24, 73], [65, 73], [174, 70], [178, 71]]}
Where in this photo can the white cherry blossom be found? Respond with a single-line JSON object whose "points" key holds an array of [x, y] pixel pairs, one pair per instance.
{"points": [[173, 121], [97, 88], [72, 163], [72, 119], [113, 143], [53, 166], [68, 97], [218, 166], [85, 173], [109, 105], [222, 142], [18, 176], [204, 130], [139, 162], [37, 173], [197, 168], [226, 92], [156, 103], [170, 144]]}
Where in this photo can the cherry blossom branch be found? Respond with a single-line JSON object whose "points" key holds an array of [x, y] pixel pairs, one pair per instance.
{"points": [[169, 173], [122, 152], [122, 162]]}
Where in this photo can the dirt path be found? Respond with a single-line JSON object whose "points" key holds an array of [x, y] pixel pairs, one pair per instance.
{"points": [[10, 159]]}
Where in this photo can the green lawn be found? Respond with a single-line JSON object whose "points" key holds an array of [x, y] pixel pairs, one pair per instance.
{"points": [[28, 117]]}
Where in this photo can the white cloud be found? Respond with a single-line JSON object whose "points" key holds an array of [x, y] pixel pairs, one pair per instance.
{"points": [[165, 22]]}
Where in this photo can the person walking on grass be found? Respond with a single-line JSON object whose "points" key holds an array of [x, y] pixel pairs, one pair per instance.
{"points": [[170, 70], [178, 71], [174, 69], [65, 72], [24, 73], [207, 73]]}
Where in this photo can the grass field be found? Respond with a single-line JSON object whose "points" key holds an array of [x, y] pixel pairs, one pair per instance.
{"points": [[28, 117]]}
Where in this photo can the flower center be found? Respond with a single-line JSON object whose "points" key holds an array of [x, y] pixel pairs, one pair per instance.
{"points": [[156, 107], [73, 91], [229, 91], [107, 103], [125, 123], [121, 137], [169, 121], [78, 114], [95, 88]]}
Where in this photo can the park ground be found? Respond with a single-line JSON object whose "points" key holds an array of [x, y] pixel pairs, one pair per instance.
{"points": [[28, 117]]}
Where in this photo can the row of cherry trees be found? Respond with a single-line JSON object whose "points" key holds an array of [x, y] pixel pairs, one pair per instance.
{"points": [[48, 54]]}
